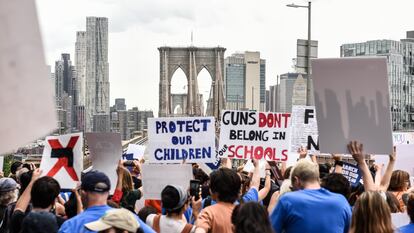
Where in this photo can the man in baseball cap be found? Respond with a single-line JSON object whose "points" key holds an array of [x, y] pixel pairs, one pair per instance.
{"points": [[94, 192], [116, 219]]}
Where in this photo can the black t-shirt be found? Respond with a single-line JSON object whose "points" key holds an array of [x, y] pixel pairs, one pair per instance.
{"points": [[17, 220]]}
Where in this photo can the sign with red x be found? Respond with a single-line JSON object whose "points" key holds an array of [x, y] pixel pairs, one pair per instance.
{"points": [[63, 159]]}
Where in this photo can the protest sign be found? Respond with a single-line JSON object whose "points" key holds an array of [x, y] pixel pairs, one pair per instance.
{"points": [[352, 103], [105, 150], [254, 135], [174, 139], [156, 176], [62, 159], [134, 152], [352, 173], [399, 138], [403, 159], [26, 90], [304, 128], [210, 167]]}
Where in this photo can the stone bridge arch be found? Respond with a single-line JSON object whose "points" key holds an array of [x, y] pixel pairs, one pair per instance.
{"points": [[191, 60]]}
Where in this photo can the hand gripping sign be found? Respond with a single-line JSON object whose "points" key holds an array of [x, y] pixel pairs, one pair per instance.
{"points": [[63, 159]]}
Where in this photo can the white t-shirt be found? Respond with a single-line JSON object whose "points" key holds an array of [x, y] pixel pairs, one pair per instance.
{"points": [[168, 225]]}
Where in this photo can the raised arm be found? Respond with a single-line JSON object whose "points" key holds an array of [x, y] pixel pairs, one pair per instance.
{"points": [[385, 181], [302, 152], [356, 149], [255, 182], [118, 190], [24, 199], [265, 190], [378, 174], [338, 163]]}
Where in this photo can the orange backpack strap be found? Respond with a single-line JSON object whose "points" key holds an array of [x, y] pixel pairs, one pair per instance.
{"points": [[187, 228], [156, 223]]}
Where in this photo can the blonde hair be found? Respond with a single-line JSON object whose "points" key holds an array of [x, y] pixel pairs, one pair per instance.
{"points": [[371, 214], [305, 171]]}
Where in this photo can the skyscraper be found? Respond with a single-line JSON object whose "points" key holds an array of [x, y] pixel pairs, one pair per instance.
{"points": [[292, 91], [245, 76], [64, 76], [80, 62], [272, 98], [400, 62], [120, 104], [65, 92], [97, 75]]}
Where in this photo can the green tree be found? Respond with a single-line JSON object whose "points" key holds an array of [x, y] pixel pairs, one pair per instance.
{"points": [[8, 160]]}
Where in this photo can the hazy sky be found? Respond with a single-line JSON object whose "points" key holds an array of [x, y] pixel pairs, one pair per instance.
{"points": [[138, 27]]}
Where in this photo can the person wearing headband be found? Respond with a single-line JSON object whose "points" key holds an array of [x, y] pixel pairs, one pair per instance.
{"points": [[174, 201]]}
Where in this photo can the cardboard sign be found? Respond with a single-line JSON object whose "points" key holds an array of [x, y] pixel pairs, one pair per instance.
{"points": [[304, 129], [352, 173], [134, 152], [156, 176], [26, 90], [105, 150], [62, 159], [174, 139], [352, 103], [259, 135]]}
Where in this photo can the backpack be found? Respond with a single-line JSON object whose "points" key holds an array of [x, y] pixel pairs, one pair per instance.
{"points": [[156, 225]]}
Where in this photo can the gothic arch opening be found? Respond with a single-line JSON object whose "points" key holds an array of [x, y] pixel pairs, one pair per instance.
{"points": [[179, 83], [204, 83], [178, 110]]}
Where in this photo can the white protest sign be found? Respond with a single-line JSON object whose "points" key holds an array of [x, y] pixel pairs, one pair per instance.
{"points": [[352, 103], [399, 138], [156, 176], [304, 128], [26, 90], [174, 139], [248, 166], [404, 158], [254, 135], [135, 152], [105, 150], [62, 159]]}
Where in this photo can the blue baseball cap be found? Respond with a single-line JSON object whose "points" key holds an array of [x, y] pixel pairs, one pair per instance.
{"points": [[95, 181]]}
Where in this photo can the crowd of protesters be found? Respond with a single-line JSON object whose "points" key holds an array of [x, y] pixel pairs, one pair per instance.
{"points": [[307, 197]]}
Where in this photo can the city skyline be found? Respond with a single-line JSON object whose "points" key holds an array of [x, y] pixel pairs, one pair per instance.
{"points": [[136, 29]]}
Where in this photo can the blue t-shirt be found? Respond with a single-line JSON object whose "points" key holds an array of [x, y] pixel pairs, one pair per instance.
{"points": [[251, 195], [76, 224], [311, 211], [407, 228]]}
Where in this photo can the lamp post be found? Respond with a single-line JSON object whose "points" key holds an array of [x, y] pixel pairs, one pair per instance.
{"points": [[308, 90]]}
